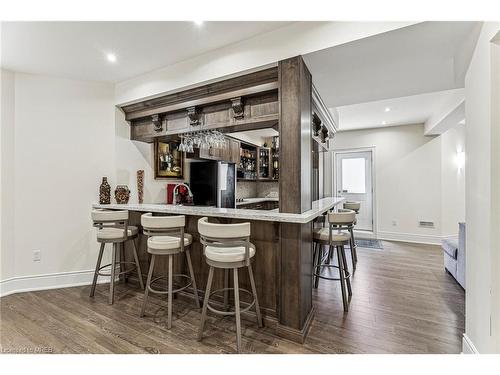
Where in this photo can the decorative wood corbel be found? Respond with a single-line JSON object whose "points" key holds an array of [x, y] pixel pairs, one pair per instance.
{"points": [[157, 123], [237, 105], [194, 116], [316, 124], [324, 134]]}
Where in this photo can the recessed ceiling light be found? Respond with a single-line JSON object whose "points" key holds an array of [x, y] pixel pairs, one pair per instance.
{"points": [[387, 109], [198, 23], [384, 122], [111, 57]]}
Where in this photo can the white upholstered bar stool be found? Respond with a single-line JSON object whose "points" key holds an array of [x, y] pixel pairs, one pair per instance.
{"points": [[352, 243], [112, 227], [354, 206], [228, 246], [336, 239], [165, 234]]}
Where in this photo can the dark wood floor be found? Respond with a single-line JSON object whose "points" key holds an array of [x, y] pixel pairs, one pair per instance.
{"points": [[403, 302]]}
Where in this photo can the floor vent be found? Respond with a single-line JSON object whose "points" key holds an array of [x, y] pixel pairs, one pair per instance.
{"points": [[426, 224]]}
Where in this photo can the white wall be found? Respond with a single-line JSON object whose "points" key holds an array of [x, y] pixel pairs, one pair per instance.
{"points": [[482, 235], [63, 143], [131, 156], [452, 181], [495, 218], [268, 48], [408, 180], [7, 174]]}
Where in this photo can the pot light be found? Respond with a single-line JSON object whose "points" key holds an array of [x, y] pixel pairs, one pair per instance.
{"points": [[384, 122], [111, 57], [387, 109], [198, 23]]}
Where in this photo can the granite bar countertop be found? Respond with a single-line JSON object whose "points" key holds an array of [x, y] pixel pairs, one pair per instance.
{"points": [[318, 207]]}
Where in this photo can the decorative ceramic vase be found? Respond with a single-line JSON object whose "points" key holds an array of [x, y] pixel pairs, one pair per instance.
{"points": [[122, 194], [140, 185], [105, 192]]}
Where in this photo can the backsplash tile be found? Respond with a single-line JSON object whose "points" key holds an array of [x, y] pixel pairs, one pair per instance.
{"points": [[254, 189], [246, 189], [268, 189]]}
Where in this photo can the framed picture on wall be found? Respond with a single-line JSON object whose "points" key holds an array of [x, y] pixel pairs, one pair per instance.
{"points": [[169, 161]]}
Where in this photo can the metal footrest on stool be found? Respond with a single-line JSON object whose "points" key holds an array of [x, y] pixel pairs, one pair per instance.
{"points": [[179, 275], [347, 273], [220, 312], [134, 267]]}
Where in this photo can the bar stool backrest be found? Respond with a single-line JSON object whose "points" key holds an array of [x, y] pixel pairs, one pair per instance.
{"points": [[340, 220], [342, 217], [110, 219], [352, 205], [224, 235], [164, 226]]}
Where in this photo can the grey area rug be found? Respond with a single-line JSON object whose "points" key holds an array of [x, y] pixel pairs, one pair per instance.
{"points": [[368, 243]]}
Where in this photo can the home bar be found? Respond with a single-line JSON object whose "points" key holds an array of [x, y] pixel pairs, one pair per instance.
{"points": [[281, 98]]}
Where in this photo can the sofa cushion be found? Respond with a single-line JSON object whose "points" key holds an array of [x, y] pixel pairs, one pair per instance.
{"points": [[450, 247]]}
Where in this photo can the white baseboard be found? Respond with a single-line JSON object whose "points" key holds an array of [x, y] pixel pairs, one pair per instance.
{"points": [[409, 237], [48, 281], [468, 346]]}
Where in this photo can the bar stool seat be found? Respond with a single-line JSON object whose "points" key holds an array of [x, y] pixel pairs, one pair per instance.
{"points": [[116, 233], [158, 243], [336, 239], [226, 247], [167, 238], [112, 227], [323, 235], [229, 254]]}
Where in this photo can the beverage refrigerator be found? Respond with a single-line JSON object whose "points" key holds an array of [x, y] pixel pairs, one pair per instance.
{"points": [[213, 183]]}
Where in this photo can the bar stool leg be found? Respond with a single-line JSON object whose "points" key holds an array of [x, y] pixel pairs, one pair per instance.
{"points": [[226, 286], [205, 302], [170, 288], [113, 271], [346, 269], [191, 273], [122, 259], [138, 265], [316, 262], [315, 249], [99, 260], [148, 284], [342, 280], [354, 253], [316, 269], [254, 291], [237, 309]]}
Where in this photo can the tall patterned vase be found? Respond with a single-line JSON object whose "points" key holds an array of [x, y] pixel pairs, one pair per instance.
{"points": [[105, 192], [140, 185]]}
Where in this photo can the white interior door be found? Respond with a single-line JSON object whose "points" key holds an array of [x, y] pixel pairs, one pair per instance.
{"points": [[354, 182]]}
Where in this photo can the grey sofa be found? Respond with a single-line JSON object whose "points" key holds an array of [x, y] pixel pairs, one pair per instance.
{"points": [[454, 255]]}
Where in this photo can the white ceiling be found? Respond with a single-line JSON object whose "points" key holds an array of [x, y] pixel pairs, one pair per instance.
{"points": [[256, 137], [416, 109], [410, 70], [78, 49]]}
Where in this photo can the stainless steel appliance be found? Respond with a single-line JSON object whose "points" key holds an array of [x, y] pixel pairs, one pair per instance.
{"points": [[213, 183]]}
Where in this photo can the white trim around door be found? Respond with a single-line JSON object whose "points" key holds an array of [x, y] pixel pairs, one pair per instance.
{"points": [[373, 233]]}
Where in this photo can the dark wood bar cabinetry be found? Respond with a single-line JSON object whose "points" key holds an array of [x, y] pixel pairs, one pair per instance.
{"points": [[283, 98]]}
